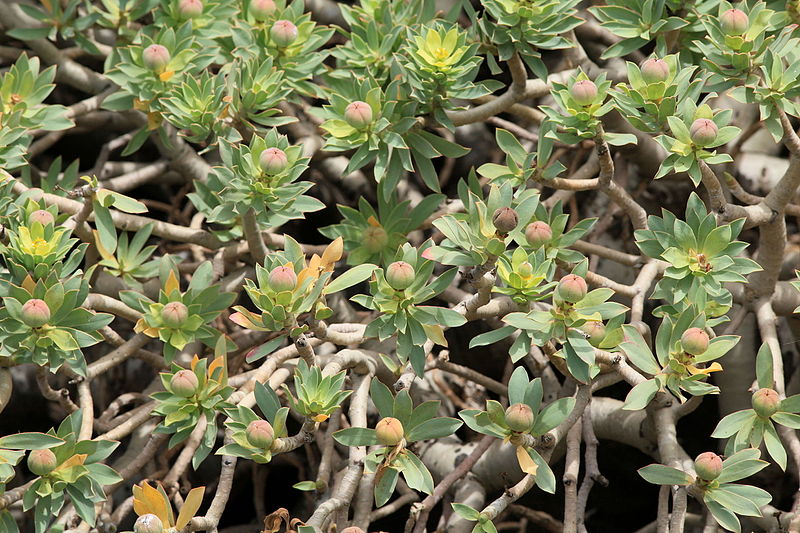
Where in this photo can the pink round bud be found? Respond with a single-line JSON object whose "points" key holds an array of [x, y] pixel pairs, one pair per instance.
{"points": [[174, 314], [505, 219], [283, 33], [374, 239], [273, 161], [148, 523], [708, 466], [734, 22], [262, 9], [35, 313], [156, 58], [42, 462], [694, 341], [595, 332], [260, 434], [766, 402], [525, 269], [655, 70], [519, 417], [703, 132], [400, 275], [42, 217], [184, 383], [572, 288], [358, 114], [282, 279], [190, 9], [538, 233], [389, 431], [584, 92]]}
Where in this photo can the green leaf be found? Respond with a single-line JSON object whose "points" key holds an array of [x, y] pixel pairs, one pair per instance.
{"points": [[490, 337], [384, 486], [665, 475], [764, 371], [774, 446], [790, 420], [356, 436], [724, 517], [352, 277], [552, 415], [466, 512], [731, 423], [435, 428], [741, 464], [29, 441], [305, 485], [267, 401], [640, 395]]}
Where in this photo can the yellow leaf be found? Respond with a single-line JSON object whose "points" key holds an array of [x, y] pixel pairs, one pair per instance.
{"points": [[172, 283], [194, 362], [166, 75], [151, 501], [333, 252], [28, 284], [154, 120], [217, 363], [435, 333], [102, 250], [372, 221], [714, 367], [190, 506], [142, 327], [320, 418], [525, 462], [75, 460]]}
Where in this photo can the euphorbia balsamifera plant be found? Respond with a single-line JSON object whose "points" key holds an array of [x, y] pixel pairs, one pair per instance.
{"points": [[178, 318], [304, 237]]}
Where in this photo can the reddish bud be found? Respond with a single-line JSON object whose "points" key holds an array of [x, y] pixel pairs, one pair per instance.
{"points": [[35, 313], [655, 70], [595, 332], [190, 9], [572, 288], [584, 92], [538, 233], [174, 314], [694, 341], [262, 9], [734, 22], [273, 161], [283, 33], [703, 132], [42, 217], [505, 219], [519, 417], [708, 466], [42, 462], [375, 239], [766, 402], [260, 434], [184, 383], [400, 275], [148, 523], [282, 279], [358, 114], [156, 58], [389, 431]]}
